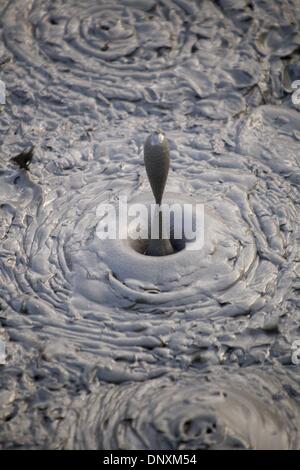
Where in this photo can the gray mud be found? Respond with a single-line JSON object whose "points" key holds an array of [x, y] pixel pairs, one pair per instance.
{"points": [[107, 348]]}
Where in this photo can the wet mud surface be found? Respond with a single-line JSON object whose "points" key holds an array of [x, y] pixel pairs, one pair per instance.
{"points": [[107, 348]]}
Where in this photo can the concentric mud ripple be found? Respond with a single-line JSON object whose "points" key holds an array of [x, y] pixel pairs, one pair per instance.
{"points": [[126, 41], [109, 302], [89, 325], [213, 411], [126, 57]]}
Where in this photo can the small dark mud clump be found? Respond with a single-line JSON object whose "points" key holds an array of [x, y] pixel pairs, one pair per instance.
{"points": [[24, 158]]}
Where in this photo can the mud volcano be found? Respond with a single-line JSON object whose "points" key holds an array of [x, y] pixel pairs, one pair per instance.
{"points": [[102, 346]]}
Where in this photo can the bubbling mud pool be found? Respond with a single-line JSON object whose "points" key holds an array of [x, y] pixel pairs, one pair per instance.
{"points": [[107, 348]]}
